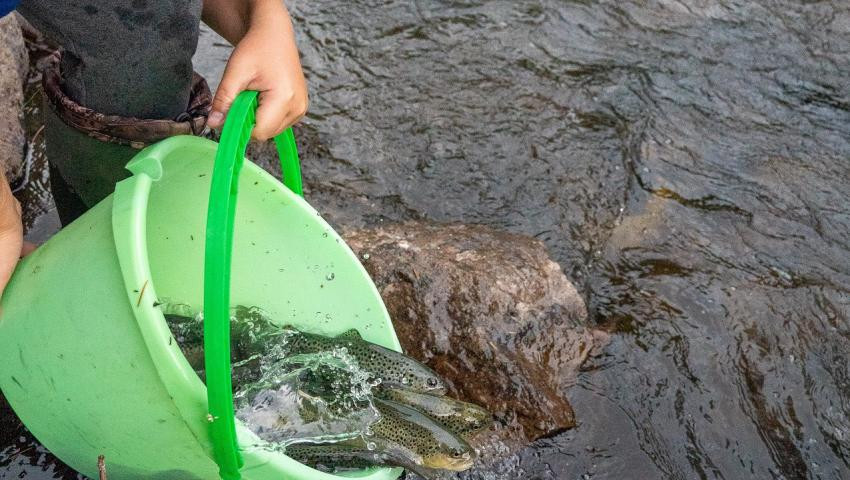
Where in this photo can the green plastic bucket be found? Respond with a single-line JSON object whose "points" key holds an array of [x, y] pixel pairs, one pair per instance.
{"points": [[86, 358]]}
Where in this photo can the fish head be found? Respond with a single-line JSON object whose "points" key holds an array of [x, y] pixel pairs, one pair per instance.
{"points": [[421, 378], [413, 375], [456, 459], [445, 450], [475, 418]]}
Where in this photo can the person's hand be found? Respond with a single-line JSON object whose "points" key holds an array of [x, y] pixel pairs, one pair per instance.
{"points": [[265, 59], [12, 246]]}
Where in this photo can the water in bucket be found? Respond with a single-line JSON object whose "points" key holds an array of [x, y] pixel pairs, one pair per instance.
{"points": [[326, 400]]}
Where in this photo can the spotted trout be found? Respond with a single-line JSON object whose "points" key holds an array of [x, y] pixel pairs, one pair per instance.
{"points": [[254, 336], [401, 437], [461, 418], [391, 367]]}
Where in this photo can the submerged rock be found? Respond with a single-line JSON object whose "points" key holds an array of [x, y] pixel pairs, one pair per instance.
{"points": [[13, 69], [489, 311]]}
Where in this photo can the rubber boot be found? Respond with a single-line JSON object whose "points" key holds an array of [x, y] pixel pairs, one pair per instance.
{"points": [[83, 170]]}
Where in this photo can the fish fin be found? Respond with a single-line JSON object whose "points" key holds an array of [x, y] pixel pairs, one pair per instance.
{"points": [[351, 334]]}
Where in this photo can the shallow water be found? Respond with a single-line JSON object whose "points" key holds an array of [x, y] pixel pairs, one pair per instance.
{"points": [[686, 162]]}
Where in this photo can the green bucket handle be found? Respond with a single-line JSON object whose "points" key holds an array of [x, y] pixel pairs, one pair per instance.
{"points": [[219, 245]]}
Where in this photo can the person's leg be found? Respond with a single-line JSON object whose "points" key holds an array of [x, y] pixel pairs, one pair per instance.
{"points": [[120, 57], [71, 204]]}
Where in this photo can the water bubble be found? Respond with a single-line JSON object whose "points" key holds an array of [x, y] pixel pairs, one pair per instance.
{"points": [[325, 235], [404, 381], [371, 446], [366, 256], [330, 276]]}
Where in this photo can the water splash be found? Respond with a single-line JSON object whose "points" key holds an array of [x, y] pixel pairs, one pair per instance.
{"points": [[318, 398]]}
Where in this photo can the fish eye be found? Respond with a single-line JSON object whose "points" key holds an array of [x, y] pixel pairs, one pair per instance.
{"points": [[457, 453], [432, 382]]}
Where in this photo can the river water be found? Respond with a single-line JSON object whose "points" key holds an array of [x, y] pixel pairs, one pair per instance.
{"points": [[687, 163]]}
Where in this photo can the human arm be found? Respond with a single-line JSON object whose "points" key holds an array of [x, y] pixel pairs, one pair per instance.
{"points": [[11, 232]]}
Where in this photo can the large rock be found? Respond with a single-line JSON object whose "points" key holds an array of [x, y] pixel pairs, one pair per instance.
{"points": [[489, 311], [13, 70]]}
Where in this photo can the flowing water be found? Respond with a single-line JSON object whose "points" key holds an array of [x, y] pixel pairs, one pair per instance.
{"points": [[685, 161]]}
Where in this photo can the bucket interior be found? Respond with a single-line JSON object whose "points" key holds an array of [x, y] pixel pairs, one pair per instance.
{"points": [[286, 260]]}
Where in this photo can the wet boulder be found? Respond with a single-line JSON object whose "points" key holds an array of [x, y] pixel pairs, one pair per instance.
{"points": [[489, 311], [13, 69]]}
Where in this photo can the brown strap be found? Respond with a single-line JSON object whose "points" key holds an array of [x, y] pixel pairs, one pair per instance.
{"points": [[134, 132]]}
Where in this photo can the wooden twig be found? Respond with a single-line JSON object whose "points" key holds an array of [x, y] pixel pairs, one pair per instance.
{"points": [[19, 452], [142, 293], [101, 468]]}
